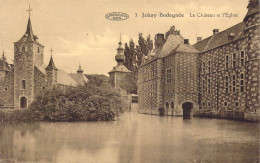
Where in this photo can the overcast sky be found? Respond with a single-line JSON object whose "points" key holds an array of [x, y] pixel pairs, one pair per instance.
{"points": [[79, 33]]}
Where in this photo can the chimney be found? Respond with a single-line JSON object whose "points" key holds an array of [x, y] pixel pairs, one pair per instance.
{"points": [[199, 39], [186, 41], [231, 36], [159, 39], [215, 31]]}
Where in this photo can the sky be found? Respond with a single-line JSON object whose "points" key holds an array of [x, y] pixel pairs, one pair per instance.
{"points": [[79, 33]]}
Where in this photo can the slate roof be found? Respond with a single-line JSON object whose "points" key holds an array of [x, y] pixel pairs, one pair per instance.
{"points": [[174, 43], [64, 78], [79, 78], [4, 66], [51, 65], [221, 38], [119, 68]]}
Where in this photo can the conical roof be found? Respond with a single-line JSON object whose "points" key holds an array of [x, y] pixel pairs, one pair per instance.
{"points": [[51, 65]]}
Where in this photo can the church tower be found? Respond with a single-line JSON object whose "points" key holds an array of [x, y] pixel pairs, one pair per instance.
{"points": [[28, 53]]}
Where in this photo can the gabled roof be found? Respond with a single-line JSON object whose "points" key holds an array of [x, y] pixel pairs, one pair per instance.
{"points": [[221, 38], [174, 43], [51, 65], [64, 78], [79, 78]]}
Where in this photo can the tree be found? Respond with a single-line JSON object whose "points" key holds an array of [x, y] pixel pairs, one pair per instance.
{"points": [[134, 56]]}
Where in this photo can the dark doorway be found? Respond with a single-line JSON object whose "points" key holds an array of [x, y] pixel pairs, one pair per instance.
{"points": [[186, 107], [161, 111], [23, 103]]}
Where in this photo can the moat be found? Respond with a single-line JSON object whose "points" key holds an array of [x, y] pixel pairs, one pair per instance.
{"points": [[132, 138]]}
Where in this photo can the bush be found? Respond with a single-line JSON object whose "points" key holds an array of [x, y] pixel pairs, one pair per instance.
{"points": [[82, 103]]}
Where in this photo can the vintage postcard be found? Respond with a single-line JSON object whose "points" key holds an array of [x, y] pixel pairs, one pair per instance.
{"points": [[129, 81]]}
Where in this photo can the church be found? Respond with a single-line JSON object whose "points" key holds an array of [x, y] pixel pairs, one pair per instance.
{"points": [[28, 76], [216, 77]]}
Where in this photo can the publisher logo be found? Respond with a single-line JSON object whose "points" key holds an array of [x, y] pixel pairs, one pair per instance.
{"points": [[117, 16]]}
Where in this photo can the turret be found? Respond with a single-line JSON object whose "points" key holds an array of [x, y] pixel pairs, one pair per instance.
{"points": [[251, 30], [120, 57], [80, 71], [51, 73]]}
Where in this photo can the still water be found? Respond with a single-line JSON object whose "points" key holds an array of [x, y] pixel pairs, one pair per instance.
{"points": [[132, 138]]}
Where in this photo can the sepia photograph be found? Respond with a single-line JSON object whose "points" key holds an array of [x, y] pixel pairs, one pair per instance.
{"points": [[129, 81]]}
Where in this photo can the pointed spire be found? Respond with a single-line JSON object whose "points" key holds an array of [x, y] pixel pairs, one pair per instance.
{"points": [[51, 65], [120, 57], [29, 30], [4, 66]]}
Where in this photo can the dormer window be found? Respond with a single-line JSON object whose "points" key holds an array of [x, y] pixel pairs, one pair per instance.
{"points": [[23, 48]]}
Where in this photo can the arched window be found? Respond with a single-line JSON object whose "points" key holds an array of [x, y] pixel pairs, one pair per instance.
{"points": [[167, 105], [23, 84], [172, 105], [23, 103]]}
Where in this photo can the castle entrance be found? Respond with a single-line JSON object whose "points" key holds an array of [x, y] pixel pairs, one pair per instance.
{"points": [[23, 103], [186, 107]]}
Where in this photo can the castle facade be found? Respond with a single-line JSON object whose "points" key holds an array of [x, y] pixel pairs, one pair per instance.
{"points": [[216, 77]]}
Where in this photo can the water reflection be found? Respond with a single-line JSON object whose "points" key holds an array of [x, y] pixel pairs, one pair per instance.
{"points": [[133, 138]]}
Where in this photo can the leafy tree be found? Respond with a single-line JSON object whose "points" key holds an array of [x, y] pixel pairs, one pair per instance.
{"points": [[134, 54], [133, 59]]}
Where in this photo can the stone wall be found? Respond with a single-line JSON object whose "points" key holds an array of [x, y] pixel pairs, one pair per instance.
{"points": [[7, 91], [223, 93], [23, 70], [39, 82]]}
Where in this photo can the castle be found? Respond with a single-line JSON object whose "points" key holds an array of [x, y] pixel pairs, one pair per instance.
{"points": [[28, 76], [216, 77]]}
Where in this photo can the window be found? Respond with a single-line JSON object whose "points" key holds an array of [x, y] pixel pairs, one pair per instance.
{"points": [[23, 84], [225, 103], [169, 75], [234, 83], [208, 86], [6, 89], [38, 49], [167, 105], [23, 48], [234, 60], [242, 82], [203, 67], [226, 84], [172, 105], [203, 86], [237, 104], [209, 103], [209, 68], [203, 104], [242, 58], [227, 62]]}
